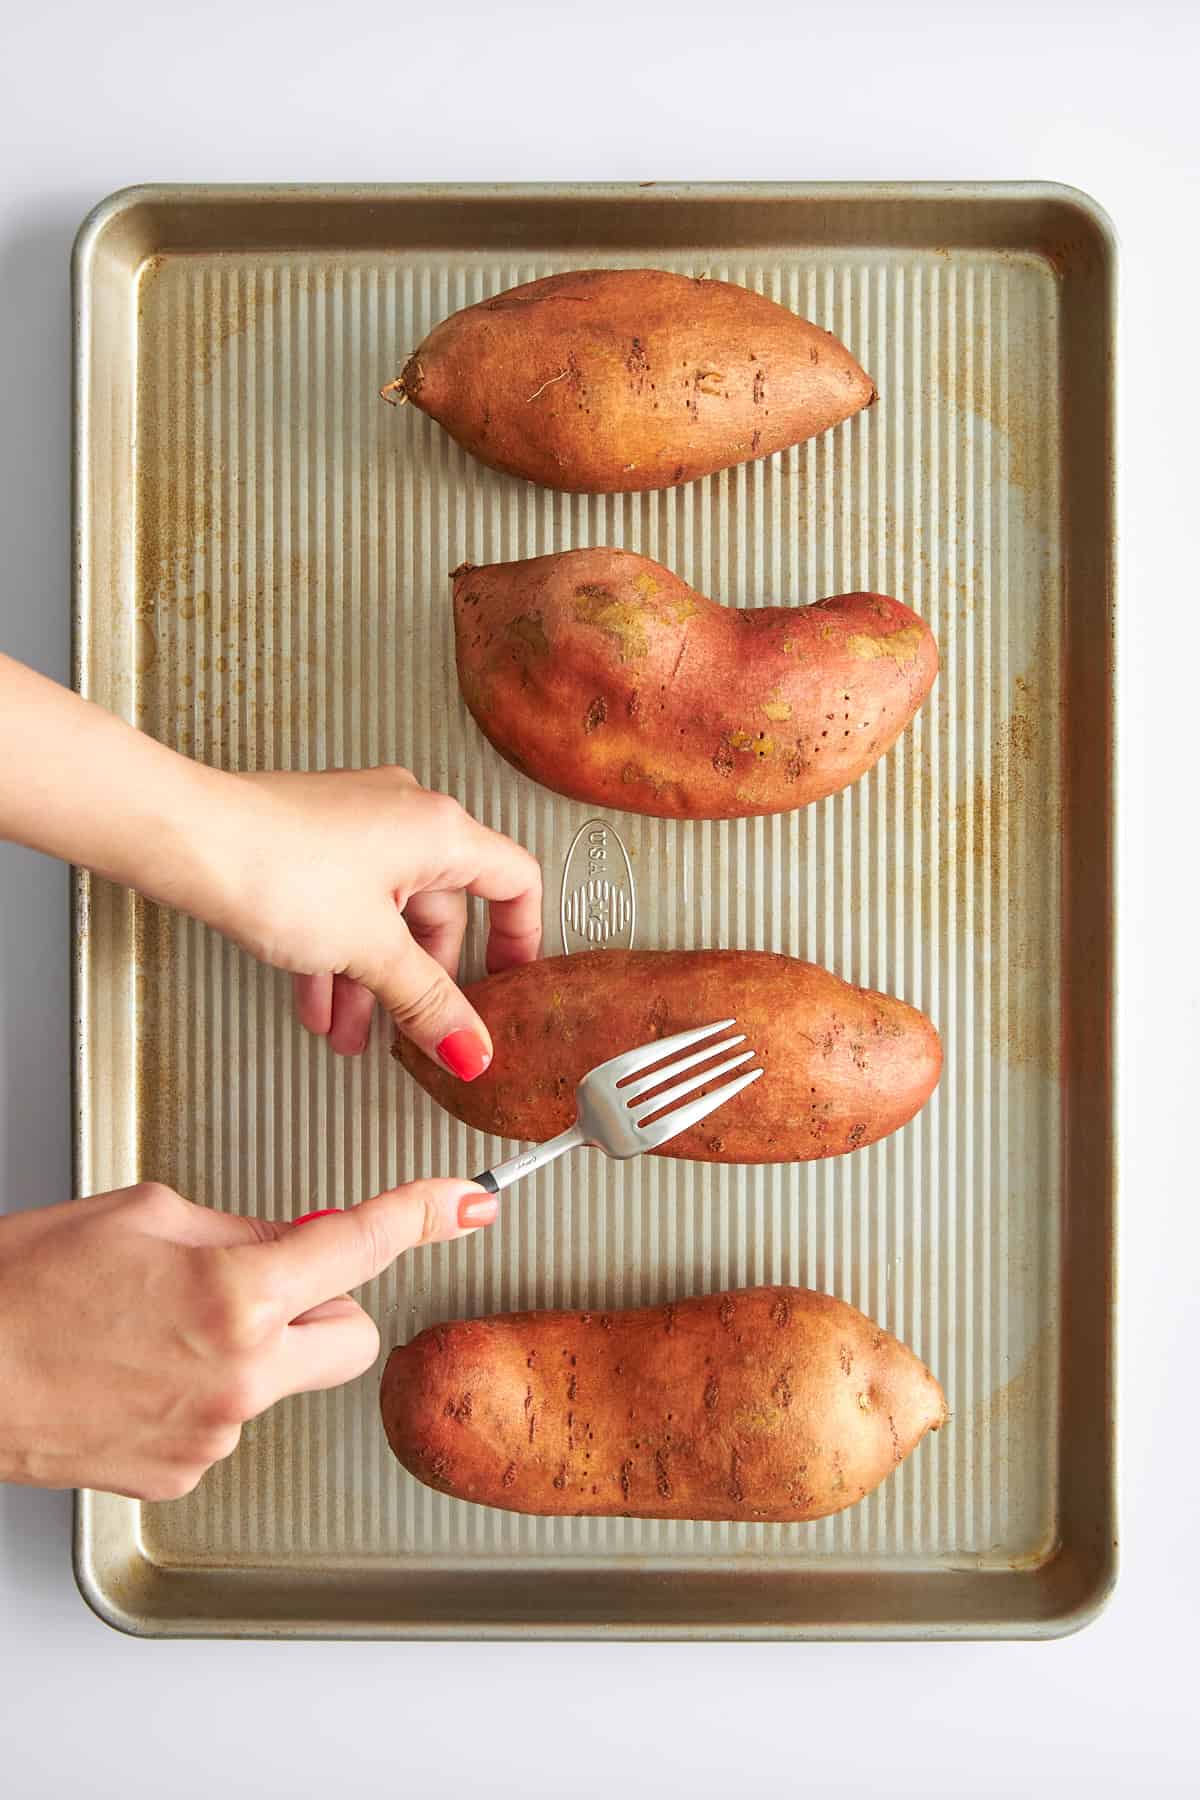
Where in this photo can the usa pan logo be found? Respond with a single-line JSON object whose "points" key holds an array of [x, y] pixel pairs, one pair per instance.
{"points": [[597, 906], [597, 911]]}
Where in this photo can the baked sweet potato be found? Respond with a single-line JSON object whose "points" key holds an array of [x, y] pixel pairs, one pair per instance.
{"points": [[842, 1065], [620, 380], [604, 676], [773, 1404]]}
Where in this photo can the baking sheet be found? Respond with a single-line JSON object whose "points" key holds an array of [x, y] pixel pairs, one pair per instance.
{"points": [[264, 552]]}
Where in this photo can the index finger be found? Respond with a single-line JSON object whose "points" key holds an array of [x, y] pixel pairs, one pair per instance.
{"points": [[514, 932], [336, 1252], [494, 868]]}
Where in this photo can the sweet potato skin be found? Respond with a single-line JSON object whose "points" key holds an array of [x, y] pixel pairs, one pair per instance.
{"points": [[843, 1066], [625, 380], [772, 1404], [602, 675]]}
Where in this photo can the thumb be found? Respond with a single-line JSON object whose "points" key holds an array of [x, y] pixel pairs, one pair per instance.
{"points": [[429, 1008], [336, 1252]]}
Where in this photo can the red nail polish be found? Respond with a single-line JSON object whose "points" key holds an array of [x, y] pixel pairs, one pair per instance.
{"points": [[464, 1054], [477, 1209], [326, 1212]]}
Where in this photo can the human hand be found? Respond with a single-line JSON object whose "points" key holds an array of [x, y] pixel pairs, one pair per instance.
{"points": [[358, 885], [355, 881], [139, 1332]]}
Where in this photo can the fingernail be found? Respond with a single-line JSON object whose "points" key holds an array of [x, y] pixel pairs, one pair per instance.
{"points": [[464, 1054], [325, 1212], [477, 1209]]}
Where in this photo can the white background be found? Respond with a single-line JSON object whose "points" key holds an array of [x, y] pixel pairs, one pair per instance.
{"points": [[96, 96]]}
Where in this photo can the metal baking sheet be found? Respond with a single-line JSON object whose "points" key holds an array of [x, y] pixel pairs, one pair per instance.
{"points": [[263, 552]]}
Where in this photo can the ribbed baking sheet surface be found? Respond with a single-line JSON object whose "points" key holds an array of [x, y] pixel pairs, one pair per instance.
{"points": [[293, 539]]}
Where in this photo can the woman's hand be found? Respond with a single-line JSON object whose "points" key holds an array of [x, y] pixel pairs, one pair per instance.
{"points": [[358, 885], [138, 1332], [356, 882]]}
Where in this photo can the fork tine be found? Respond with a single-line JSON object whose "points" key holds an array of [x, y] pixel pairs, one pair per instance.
{"points": [[663, 1130], [630, 1061], [668, 1097], [676, 1068]]}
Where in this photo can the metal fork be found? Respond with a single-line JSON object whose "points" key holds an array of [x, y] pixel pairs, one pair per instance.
{"points": [[609, 1116]]}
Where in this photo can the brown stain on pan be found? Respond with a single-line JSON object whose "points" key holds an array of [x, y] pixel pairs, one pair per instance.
{"points": [[1009, 814], [212, 678], [165, 1134], [1021, 1405], [223, 323], [1016, 412]]}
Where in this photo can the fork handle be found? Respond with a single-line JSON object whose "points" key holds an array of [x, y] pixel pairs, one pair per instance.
{"points": [[505, 1173]]}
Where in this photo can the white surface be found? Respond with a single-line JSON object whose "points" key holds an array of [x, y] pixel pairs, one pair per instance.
{"points": [[94, 98]]}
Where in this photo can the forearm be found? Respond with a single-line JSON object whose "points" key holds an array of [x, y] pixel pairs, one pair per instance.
{"points": [[80, 784]]}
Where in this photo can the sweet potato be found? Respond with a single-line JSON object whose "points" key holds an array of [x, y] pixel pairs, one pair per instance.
{"points": [[843, 1065], [621, 380], [773, 1404], [604, 676]]}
